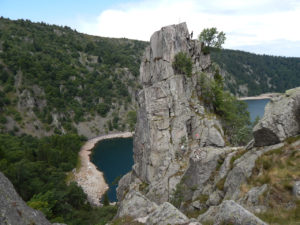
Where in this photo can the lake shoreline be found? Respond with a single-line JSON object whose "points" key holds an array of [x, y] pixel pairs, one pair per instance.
{"points": [[88, 177], [260, 97]]}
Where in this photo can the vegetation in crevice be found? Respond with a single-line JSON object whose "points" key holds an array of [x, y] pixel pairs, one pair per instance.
{"points": [[232, 112], [183, 64]]}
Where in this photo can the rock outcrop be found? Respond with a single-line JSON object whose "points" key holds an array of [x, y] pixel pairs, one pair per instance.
{"points": [[136, 205], [229, 212], [13, 210], [166, 214], [281, 119], [171, 118]]}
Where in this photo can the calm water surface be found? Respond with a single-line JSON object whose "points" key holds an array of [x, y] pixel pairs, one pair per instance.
{"points": [[114, 157], [256, 108]]}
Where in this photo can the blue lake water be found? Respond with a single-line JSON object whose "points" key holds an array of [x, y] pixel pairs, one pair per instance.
{"points": [[114, 157], [256, 108]]}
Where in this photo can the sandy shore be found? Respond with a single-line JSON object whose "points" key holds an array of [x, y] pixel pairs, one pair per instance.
{"points": [[262, 96], [88, 177]]}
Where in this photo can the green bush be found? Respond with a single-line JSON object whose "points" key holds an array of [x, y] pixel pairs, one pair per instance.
{"points": [[183, 64], [131, 119]]}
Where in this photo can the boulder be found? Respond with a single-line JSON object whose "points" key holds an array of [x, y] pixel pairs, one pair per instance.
{"points": [[202, 167], [13, 210], [229, 212], [242, 170], [251, 199], [167, 214], [281, 119], [135, 205]]}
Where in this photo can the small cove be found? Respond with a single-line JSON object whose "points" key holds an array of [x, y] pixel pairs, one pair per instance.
{"points": [[114, 157]]}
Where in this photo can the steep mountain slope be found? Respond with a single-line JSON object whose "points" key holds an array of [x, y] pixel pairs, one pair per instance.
{"points": [[248, 74], [56, 80]]}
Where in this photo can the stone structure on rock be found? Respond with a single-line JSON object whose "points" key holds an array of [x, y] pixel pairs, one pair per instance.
{"points": [[281, 119], [13, 210]]}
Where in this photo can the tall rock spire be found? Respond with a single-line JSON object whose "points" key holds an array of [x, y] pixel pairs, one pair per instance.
{"points": [[171, 118]]}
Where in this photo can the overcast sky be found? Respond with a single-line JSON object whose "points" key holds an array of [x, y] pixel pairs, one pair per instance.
{"points": [[259, 26]]}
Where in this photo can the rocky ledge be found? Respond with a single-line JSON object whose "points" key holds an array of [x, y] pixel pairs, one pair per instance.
{"points": [[281, 119], [13, 210]]}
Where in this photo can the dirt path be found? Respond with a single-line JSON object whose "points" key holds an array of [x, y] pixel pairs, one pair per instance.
{"points": [[88, 177]]}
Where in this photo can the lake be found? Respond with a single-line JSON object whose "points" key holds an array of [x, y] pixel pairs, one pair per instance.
{"points": [[114, 157], [256, 107]]}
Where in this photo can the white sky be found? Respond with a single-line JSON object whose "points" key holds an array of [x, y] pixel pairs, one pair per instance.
{"points": [[260, 26]]}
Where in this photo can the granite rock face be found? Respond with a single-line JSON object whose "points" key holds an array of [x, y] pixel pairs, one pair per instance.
{"points": [[166, 214], [281, 119], [136, 205], [13, 210], [229, 212], [171, 117]]}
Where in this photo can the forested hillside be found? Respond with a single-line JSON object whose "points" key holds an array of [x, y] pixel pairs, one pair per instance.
{"points": [[56, 80], [248, 74]]}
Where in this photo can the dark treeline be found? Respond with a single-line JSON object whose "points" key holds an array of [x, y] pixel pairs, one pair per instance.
{"points": [[261, 73]]}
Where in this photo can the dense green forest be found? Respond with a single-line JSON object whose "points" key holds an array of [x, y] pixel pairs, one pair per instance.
{"points": [[56, 80], [38, 168], [62, 72], [260, 73]]}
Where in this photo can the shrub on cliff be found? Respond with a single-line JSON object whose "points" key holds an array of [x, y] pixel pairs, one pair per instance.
{"points": [[183, 64], [233, 113]]}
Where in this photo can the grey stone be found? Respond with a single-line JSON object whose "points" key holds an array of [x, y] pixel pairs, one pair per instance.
{"points": [[202, 165], [281, 119], [135, 205], [198, 205], [229, 212], [13, 210], [170, 111], [242, 170], [123, 186], [251, 198], [215, 198], [296, 189], [166, 214]]}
